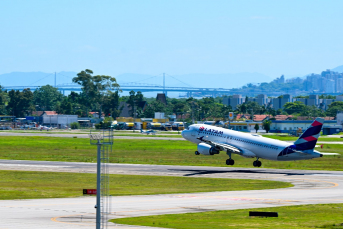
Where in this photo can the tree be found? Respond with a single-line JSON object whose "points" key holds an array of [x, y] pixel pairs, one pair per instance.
{"points": [[46, 97], [294, 107], [313, 111], [257, 127], [3, 101], [266, 125], [154, 106], [241, 109], [134, 100], [65, 107], [334, 108], [20, 103], [178, 107], [94, 88], [253, 108], [111, 104]]}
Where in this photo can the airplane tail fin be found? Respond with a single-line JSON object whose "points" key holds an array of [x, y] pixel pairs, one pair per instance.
{"points": [[308, 140]]}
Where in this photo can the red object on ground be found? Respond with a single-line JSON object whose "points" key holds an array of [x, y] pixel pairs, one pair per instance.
{"points": [[89, 191]]}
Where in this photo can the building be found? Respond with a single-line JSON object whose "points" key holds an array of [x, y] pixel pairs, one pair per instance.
{"points": [[162, 98], [233, 101], [278, 103], [290, 126], [59, 121], [330, 86], [313, 100], [261, 99], [244, 126]]}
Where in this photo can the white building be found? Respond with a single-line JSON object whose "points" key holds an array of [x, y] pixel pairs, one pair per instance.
{"points": [[59, 121]]}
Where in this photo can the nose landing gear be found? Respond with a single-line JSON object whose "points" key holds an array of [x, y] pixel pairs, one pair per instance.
{"points": [[197, 153]]}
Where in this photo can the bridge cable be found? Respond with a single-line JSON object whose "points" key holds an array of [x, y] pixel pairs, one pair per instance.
{"points": [[179, 80], [141, 80], [40, 79]]}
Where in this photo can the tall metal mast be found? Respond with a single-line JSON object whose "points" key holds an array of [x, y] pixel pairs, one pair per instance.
{"points": [[104, 142]]}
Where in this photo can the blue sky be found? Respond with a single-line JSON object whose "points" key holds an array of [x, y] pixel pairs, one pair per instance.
{"points": [[177, 37]]}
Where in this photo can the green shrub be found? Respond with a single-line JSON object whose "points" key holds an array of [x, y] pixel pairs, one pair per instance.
{"points": [[75, 125]]}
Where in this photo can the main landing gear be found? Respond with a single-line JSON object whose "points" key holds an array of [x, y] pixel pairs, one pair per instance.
{"points": [[229, 161], [257, 163], [197, 153]]}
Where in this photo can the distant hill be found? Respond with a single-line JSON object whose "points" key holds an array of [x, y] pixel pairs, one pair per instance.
{"points": [[338, 69]]}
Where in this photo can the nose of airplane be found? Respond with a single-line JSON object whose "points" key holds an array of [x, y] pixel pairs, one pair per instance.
{"points": [[184, 134]]}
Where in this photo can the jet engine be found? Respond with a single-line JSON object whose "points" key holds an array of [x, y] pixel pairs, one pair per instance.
{"points": [[206, 149]]}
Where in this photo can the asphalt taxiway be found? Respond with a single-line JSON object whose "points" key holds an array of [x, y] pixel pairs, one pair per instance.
{"points": [[310, 187], [134, 136]]}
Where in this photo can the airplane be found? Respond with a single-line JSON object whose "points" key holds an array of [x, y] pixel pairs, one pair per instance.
{"points": [[211, 140], [147, 132]]}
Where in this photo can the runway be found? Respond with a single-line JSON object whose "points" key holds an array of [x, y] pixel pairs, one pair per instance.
{"points": [[310, 187]]}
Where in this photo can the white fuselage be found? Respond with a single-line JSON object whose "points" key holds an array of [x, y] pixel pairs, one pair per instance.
{"points": [[260, 146]]}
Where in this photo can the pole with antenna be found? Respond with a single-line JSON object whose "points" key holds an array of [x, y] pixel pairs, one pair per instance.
{"points": [[55, 79]]}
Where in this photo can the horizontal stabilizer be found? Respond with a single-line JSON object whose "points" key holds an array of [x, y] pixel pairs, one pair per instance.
{"points": [[329, 154]]}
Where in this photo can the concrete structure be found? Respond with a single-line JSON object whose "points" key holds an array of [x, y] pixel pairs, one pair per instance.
{"points": [[59, 121]]}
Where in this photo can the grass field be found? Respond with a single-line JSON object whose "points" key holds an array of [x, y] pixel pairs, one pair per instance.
{"points": [[33, 185], [140, 151], [302, 216]]}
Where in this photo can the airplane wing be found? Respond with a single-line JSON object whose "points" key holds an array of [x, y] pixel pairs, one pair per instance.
{"points": [[221, 146]]}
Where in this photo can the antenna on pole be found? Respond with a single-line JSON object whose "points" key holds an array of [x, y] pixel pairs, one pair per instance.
{"points": [[104, 141], [55, 79]]}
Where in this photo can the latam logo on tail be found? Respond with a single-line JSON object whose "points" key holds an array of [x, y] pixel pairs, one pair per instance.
{"points": [[212, 140]]}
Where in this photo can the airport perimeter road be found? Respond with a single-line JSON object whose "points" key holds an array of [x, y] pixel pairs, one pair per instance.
{"points": [[51, 134], [311, 187]]}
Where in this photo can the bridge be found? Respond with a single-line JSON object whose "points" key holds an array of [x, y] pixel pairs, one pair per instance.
{"points": [[189, 91]]}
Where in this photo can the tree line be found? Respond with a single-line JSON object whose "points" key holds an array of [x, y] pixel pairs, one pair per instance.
{"points": [[101, 93]]}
